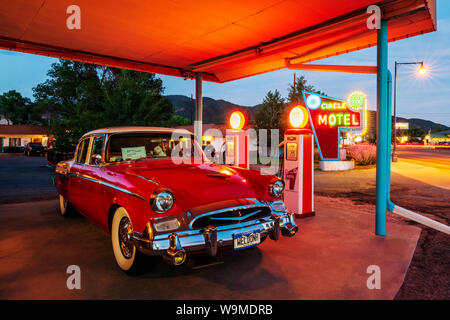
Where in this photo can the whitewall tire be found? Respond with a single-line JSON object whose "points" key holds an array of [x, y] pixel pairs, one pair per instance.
{"points": [[65, 208], [127, 257]]}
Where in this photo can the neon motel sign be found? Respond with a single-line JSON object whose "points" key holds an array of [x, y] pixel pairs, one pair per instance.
{"points": [[329, 116]]}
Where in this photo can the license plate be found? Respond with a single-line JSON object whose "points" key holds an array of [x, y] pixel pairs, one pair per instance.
{"points": [[246, 240]]}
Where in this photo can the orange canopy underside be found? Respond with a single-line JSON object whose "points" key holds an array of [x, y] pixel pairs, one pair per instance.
{"points": [[224, 39]]}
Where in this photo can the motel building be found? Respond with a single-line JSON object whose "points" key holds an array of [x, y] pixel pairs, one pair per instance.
{"points": [[20, 135]]}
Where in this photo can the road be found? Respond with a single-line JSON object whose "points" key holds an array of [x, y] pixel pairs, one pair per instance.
{"points": [[437, 158], [25, 178], [427, 166]]}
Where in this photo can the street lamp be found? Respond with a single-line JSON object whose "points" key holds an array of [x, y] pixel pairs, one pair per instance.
{"points": [[421, 70]]}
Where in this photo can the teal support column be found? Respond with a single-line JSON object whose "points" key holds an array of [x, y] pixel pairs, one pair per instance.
{"points": [[382, 122]]}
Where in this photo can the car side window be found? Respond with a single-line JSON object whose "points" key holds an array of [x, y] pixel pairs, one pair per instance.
{"points": [[82, 151], [97, 147]]}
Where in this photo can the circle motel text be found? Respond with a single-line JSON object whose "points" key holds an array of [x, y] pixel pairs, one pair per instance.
{"points": [[336, 118]]}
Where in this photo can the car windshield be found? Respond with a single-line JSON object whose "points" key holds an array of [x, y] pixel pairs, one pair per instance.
{"points": [[137, 146], [35, 144]]}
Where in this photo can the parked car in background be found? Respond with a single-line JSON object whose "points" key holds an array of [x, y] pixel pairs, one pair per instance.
{"points": [[125, 181], [34, 148]]}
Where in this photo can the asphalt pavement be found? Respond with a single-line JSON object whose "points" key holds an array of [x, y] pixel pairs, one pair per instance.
{"points": [[437, 158], [25, 178]]}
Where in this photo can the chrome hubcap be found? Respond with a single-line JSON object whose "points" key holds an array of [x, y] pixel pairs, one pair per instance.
{"points": [[125, 232]]}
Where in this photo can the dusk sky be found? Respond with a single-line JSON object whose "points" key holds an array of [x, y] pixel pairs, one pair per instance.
{"points": [[418, 96]]}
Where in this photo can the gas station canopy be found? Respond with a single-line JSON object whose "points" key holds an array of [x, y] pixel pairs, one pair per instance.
{"points": [[223, 39]]}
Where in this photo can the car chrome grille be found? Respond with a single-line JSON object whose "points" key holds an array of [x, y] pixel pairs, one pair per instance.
{"points": [[232, 216]]}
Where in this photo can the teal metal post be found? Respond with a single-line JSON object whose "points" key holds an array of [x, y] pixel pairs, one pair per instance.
{"points": [[382, 139]]}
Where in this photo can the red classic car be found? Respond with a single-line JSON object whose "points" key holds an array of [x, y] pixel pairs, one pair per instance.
{"points": [[125, 180]]}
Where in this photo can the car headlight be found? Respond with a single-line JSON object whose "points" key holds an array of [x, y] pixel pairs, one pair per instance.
{"points": [[276, 188], [162, 200]]}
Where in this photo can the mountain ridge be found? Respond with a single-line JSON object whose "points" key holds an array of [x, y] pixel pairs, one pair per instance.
{"points": [[217, 111]]}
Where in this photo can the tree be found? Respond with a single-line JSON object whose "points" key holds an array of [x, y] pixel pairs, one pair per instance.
{"points": [[270, 113], [72, 98], [416, 134], [15, 108], [134, 98], [295, 95]]}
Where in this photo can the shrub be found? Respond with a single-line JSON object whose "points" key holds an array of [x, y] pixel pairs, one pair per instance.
{"points": [[363, 154]]}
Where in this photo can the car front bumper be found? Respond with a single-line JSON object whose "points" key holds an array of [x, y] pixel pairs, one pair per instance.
{"points": [[209, 239]]}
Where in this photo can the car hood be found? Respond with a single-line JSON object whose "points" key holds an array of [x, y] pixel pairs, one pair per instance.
{"points": [[198, 185]]}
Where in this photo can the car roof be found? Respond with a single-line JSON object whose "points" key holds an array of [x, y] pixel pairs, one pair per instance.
{"points": [[135, 129]]}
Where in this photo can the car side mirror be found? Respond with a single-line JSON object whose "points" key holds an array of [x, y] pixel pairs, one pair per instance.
{"points": [[97, 159]]}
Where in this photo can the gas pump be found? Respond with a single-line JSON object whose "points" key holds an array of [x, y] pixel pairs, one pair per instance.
{"points": [[237, 142], [299, 164]]}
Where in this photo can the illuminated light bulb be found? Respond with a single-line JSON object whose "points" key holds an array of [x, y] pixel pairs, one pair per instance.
{"points": [[298, 117], [313, 101], [422, 69], [237, 120]]}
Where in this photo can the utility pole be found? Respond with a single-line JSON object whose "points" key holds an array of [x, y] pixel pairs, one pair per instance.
{"points": [[294, 85]]}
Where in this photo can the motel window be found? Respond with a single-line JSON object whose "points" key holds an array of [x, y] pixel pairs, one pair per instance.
{"points": [[14, 142]]}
